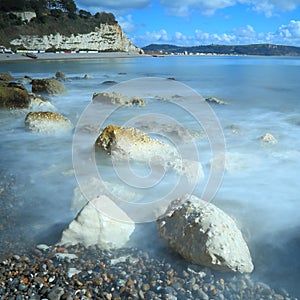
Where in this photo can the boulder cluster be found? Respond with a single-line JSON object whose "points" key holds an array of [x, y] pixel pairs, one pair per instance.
{"points": [[41, 117], [199, 231]]}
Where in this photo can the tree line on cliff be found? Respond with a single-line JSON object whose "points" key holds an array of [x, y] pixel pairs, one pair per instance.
{"points": [[52, 16]]}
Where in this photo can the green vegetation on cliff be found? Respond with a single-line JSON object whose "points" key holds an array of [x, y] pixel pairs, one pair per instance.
{"points": [[52, 16], [254, 49]]}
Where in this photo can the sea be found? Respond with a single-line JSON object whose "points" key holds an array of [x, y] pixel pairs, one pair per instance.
{"points": [[255, 181]]}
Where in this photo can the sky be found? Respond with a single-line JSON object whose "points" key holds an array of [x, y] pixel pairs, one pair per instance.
{"points": [[203, 22]]}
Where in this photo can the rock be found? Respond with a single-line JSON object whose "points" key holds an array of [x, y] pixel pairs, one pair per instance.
{"points": [[27, 79], [5, 77], [109, 82], [117, 99], [60, 75], [215, 100], [133, 144], [37, 104], [48, 85], [268, 138], [47, 122], [174, 131], [42, 247], [65, 256], [13, 95], [56, 293], [205, 235], [87, 76], [91, 227]]}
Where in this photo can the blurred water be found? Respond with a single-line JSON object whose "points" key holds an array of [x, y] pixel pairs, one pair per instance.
{"points": [[260, 188]]}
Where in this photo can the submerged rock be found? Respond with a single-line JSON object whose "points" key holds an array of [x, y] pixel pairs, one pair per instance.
{"points": [[110, 189], [118, 99], [87, 76], [215, 100], [38, 104], [205, 235], [268, 138], [92, 227], [13, 95], [47, 122], [173, 131], [60, 75], [48, 85]]}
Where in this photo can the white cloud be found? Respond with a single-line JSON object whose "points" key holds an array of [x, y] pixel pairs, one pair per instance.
{"points": [[127, 23], [206, 7], [209, 7], [185, 8], [288, 34]]}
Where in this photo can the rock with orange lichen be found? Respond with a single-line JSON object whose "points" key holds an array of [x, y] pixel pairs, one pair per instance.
{"points": [[135, 145], [118, 99], [47, 122]]}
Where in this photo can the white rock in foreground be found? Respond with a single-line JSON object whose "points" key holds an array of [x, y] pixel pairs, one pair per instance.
{"points": [[205, 235], [91, 227]]}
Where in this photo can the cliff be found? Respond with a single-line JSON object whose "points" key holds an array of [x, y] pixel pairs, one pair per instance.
{"points": [[104, 38]]}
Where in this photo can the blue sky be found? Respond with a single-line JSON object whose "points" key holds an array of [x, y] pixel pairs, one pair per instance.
{"points": [[202, 22]]}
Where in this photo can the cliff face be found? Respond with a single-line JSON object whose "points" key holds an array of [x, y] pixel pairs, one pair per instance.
{"points": [[105, 38], [25, 16]]}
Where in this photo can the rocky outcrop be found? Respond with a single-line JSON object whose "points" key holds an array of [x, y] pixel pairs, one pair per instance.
{"points": [[60, 76], [13, 95], [118, 99], [105, 38], [91, 227], [6, 77], [25, 16], [48, 85], [215, 100], [205, 235], [47, 122], [133, 144]]}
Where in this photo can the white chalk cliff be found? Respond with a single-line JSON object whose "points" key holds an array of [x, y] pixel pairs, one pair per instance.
{"points": [[105, 38]]}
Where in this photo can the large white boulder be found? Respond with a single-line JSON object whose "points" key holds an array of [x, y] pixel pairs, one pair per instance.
{"points": [[205, 235], [92, 227]]}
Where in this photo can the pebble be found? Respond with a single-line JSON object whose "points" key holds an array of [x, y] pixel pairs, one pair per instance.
{"points": [[79, 273]]}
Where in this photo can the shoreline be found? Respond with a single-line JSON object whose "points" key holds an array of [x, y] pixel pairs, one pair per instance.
{"points": [[4, 57]]}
